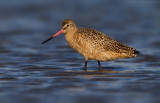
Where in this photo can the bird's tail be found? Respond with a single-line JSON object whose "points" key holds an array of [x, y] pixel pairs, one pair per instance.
{"points": [[136, 52]]}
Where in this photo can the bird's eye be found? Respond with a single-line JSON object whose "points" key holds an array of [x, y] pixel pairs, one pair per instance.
{"points": [[67, 25]]}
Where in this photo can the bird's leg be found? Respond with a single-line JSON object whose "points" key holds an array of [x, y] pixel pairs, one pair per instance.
{"points": [[100, 68], [85, 66]]}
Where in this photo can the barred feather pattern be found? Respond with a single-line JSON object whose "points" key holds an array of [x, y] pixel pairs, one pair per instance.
{"points": [[100, 42]]}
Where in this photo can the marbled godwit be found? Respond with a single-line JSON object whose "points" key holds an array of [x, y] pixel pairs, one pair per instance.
{"points": [[93, 45]]}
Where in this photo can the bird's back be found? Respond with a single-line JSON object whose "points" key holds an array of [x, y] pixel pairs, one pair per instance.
{"points": [[92, 41]]}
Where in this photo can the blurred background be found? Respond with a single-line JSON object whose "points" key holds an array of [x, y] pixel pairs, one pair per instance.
{"points": [[36, 73]]}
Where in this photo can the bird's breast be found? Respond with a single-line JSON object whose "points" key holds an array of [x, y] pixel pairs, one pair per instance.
{"points": [[71, 40]]}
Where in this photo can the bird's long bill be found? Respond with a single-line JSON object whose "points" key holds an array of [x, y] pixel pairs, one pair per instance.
{"points": [[61, 31]]}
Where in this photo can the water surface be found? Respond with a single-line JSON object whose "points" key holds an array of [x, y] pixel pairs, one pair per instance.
{"points": [[36, 73]]}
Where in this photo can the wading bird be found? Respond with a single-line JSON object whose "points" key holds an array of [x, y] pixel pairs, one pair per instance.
{"points": [[93, 45]]}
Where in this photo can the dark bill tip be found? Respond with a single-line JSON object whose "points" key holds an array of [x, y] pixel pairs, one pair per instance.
{"points": [[47, 40]]}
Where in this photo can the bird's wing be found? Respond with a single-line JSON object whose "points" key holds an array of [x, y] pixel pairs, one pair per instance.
{"points": [[96, 41]]}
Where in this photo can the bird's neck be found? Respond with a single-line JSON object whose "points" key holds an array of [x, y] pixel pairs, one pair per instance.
{"points": [[69, 35], [70, 32]]}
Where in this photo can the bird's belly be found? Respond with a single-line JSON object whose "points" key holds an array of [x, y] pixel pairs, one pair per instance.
{"points": [[103, 56], [82, 51]]}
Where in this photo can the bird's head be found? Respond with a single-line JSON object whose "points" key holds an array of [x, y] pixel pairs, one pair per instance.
{"points": [[67, 26]]}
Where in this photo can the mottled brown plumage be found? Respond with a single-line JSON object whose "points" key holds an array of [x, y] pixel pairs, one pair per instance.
{"points": [[94, 45]]}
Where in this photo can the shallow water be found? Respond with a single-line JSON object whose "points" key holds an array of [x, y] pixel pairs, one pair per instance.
{"points": [[36, 73]]}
